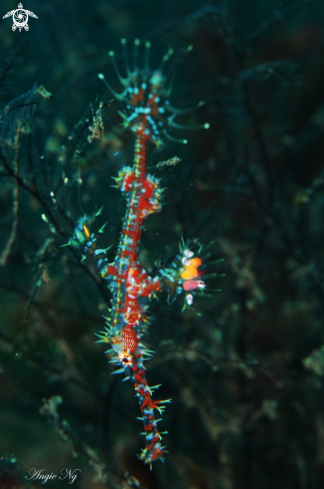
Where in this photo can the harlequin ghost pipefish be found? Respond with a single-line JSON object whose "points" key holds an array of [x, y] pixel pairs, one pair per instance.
{"points": [[147, 112]]}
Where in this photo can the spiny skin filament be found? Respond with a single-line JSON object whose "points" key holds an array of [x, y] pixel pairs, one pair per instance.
{"points": [[147, 112], [145, 98]]}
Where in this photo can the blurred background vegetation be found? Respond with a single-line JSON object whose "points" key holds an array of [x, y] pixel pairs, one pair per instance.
{"points": [[246, 376]]}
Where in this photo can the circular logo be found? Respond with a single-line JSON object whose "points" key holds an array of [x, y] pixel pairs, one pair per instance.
{"points": [[20, 19]]}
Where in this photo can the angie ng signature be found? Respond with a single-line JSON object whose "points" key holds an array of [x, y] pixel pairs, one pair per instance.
{"points": [[67, 474]]}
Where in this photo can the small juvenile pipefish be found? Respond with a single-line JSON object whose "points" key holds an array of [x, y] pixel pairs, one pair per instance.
{"points": [[147, 112]]}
